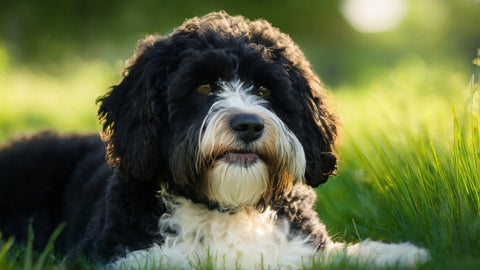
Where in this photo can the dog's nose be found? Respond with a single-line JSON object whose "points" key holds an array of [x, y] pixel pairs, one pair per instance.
{"points": [[248, 127]]}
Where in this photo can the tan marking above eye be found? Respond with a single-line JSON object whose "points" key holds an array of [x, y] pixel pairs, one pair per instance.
{"points": [[204, 87], [262, 91]]}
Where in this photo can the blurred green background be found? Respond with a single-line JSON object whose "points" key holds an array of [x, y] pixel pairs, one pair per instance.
{"points": [[50, 32]]}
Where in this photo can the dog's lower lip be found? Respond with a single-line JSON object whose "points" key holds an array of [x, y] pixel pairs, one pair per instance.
{"points": [[243, 158]]}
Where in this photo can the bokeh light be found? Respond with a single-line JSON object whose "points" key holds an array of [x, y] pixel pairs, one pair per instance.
{"points": [[374, 16]]}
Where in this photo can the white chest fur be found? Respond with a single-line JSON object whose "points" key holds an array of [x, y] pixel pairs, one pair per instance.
{"points": [[247, 239], [196, 237]]}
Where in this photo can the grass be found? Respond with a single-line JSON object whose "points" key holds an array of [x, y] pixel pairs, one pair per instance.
{"points": [[410, 156], [410, 170], [65, 100], [24, 258]]}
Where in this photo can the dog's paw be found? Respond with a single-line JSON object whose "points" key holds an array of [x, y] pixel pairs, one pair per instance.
{"points": [[385, 255], [378, 254]]}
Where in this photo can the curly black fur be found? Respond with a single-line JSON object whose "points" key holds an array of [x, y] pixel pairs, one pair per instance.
{"points": [[151, 122]]}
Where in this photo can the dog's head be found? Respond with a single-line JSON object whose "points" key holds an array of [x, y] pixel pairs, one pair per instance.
{"points": [[223, 110]]}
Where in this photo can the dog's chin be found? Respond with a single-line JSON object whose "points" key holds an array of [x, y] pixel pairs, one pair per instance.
{"points": [[236, 180]]}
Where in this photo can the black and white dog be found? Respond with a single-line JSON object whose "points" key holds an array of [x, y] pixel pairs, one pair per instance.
{"points": [[214, 138]]}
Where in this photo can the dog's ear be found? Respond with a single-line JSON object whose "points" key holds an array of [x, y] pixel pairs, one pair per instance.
{"points": [[322, 158], [321, 128], [132, 113]]}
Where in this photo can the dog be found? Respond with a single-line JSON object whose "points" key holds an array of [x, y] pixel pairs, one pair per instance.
{"points": [[211, 146]]}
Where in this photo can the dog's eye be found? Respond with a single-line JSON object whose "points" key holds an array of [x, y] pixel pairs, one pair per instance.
{"points": [[204, 88], [262, 91]]}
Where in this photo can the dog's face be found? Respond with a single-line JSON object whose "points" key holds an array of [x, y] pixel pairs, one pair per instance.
{"points": [[222, 110]]}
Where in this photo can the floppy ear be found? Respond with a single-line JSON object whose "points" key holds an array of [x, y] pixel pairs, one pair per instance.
{"points": [[322, 157], [132, 113], [320, 128]]}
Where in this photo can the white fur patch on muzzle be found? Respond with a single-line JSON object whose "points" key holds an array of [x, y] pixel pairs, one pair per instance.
{"points": [[238, 173]]}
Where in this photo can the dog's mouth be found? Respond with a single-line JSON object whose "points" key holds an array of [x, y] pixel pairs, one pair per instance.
{"points": [[242, 158]]}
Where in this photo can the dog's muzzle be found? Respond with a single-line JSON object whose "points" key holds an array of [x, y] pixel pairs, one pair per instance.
{"points": [[246, 153]]}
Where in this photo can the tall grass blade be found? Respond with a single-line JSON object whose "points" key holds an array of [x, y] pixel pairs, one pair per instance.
{"points": [[6, 247], [49, 247], [27, 265]]}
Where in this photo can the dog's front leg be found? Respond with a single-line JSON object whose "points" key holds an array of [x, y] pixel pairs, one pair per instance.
{"points": [[298, 209], [126, 219]]}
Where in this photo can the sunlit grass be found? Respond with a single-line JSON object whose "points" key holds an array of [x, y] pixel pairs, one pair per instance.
{"points": [[410, 168], [32, 100], [410, 152]]}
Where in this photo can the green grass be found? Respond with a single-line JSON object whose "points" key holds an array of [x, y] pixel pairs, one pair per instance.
{"points": [[410, 170], [32, 100], [26, 258], [410, 156]]}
